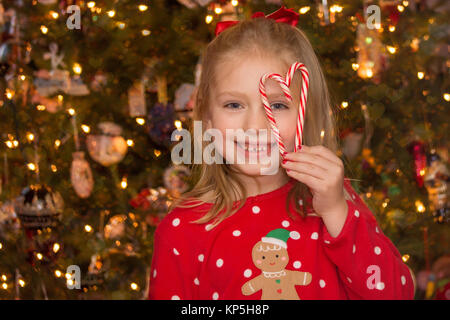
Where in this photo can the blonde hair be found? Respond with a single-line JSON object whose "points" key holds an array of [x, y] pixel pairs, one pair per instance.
{"points": [[267, 38]]}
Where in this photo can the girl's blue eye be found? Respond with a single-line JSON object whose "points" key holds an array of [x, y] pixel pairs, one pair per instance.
{"points": [[233, 105], [278, 106]]}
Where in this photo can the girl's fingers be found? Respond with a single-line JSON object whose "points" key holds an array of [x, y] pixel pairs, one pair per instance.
{"points": [[314, 159], [306, 168], [322, 151], [311, 181]]}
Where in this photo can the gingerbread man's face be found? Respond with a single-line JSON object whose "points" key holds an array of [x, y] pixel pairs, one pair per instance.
{"points": [[269, 257]]}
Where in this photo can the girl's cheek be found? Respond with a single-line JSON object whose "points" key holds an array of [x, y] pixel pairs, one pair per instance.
{"points": [[258, 261], [283, 258]]}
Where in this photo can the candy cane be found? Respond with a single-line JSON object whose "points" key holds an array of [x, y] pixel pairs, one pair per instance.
{"points": [[285, 84]]}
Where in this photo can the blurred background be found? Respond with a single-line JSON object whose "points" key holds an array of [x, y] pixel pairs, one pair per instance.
{"points": [[91, 92]]}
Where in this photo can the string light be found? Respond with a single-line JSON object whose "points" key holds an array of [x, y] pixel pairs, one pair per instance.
{"points": [[405, 3], [58, 273], [4, 278], [40, 107], [120, 24], [44, 29], [54, 168], [142, 7], [178, 124], [208, 19], [355, 66], [4, 286], [391, 49], [344, 104], [57, 143], [218, 10], [9, 93], [130, 142], [145, 32], [134, 286], [1, 246], [91, 4], [39, 256], [56, 247], [71, 111], [157, 152], [21, 283], [400, 8], [124, 183], [85, 128], [420, 75], [446, 96], [31, 166], [234, 3], [304, 10], [77, 68], [111, 13], [405, 257], [87, 228], [140, 121], [22, 77], [391, 28], [54, 14], [419, 206], [30, 136]]}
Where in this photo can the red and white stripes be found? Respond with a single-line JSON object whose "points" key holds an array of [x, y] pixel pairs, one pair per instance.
{"points": [[285, 84]]}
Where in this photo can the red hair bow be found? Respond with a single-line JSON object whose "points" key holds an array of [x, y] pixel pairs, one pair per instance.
{"points": [[283, 15]]}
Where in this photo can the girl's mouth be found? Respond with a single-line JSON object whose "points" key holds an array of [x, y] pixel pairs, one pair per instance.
{"points": [[254, 148]]}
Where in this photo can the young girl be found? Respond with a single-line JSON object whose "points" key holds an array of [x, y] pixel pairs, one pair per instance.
{"points": [[301, 233]]}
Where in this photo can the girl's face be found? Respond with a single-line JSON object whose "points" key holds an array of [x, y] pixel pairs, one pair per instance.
{"points": [[236, 104]]}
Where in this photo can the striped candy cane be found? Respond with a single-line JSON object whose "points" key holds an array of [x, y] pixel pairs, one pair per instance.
{"points": [[285, 84]]}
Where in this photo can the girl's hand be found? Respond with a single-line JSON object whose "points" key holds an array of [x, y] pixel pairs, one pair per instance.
{"points": [[323, 172]]}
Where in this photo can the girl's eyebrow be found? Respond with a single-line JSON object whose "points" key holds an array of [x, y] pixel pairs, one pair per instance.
{"points": [[241, 94]]}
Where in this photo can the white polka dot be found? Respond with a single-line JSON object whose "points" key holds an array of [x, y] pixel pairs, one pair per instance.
{"points": [[353, 196], [154, 273], [403, 280], [380, 285], [326, 241], [377, 230], [297, 264], [256, 209], [176, 222], [236, 233], [208, 227], [356, 213], [377, 250], [247, 273], [219, 263], [314, 236], [322, 283], [201, 257], [294, 235], [196, 281], [285, 223], [354, 249], [215, 296], [175, 298], [176, 252], [300, 202], [349, 280]]}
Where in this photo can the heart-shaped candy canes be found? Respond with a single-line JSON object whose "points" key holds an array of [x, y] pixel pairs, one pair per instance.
{"points": [[285, 84]]}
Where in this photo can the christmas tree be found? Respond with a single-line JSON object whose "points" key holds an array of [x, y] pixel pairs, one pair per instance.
{"points": [[92, 91]]}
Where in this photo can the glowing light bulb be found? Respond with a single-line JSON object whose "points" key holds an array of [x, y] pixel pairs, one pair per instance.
{"points": [[71, 111], [208, 19], [56, 247], [124, 183], [21, 283], [405, 257], [419, 206], [400, 8], [130, 142], [54, 14], [140, 121], [44, 29], [87, 228], [91, 4], [355, 66], [420, 75], [9, 93], [57, 143], [218, 10], [39, 256], [30, 136], [85, 128], [446, 96], [391, 28], [58, 273], [31, 166], [178, 124], [40, 107], [54, 168], [134, 286], [234, 3], [304, 10], [344, 104], [146, 32], [4, 286], [77, 68], [111, 13], [391, 49], [157, 152], [142, 7]]}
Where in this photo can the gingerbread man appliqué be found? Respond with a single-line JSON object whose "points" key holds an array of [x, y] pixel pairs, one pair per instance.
{"points": [[271, 257]]}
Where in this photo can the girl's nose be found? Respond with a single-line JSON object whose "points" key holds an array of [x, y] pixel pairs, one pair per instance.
{"points": [[256, 118]]}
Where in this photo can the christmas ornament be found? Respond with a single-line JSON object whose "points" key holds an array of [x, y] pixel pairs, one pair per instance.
{"points": [[99, 81], [351, 143], [76, 87], [136, 100], [371, 59], [154, 202], [436, 180], [175, 179], [95, 275], [109, 147], [161, 123], [38, 207], [417, 149], [183, 97], [285, 84], [51, 105], [81, 175], [9, 222], [115, 228]]}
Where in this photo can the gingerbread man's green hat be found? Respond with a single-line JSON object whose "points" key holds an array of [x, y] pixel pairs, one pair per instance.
{"points": [[280, 237]]}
